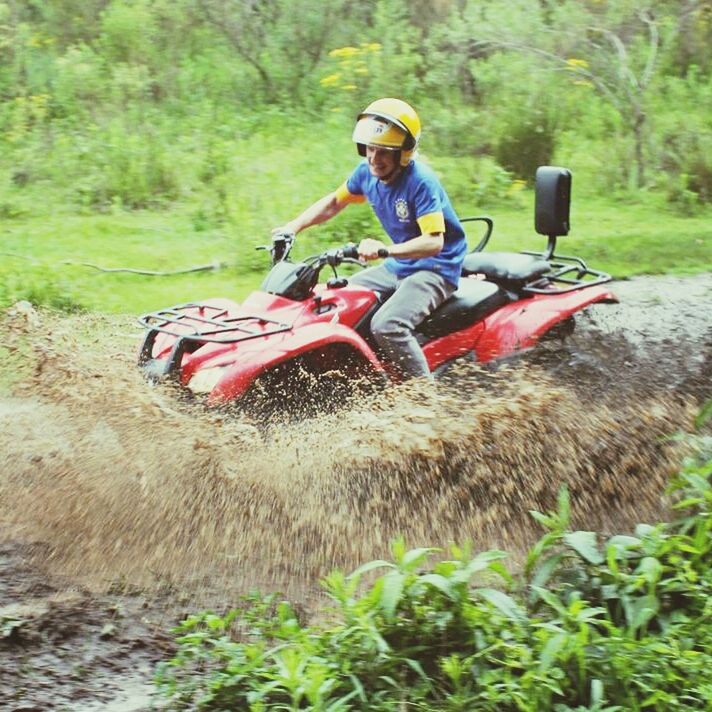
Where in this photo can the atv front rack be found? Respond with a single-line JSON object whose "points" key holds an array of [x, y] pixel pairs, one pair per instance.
{"points": [[204, 323]]}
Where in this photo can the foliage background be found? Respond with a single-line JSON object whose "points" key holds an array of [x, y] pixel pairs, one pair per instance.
{"points": [[157, 133]]}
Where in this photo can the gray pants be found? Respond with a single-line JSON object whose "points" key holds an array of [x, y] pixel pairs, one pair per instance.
{"points": [[410, 301]]}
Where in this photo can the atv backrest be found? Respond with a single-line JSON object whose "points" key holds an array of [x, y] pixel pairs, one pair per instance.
{"points": [[552, 201]]}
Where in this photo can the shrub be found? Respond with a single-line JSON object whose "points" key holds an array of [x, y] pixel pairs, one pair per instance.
{"points": [[37, 288], [587, 625], [525, 143]]}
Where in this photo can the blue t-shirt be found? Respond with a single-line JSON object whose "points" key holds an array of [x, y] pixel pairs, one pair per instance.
{"points": [[415, 203]]}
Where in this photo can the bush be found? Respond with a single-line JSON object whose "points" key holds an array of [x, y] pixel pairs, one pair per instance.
{"points": [[132, 168], [618, 625], [35, 287], [526, 142], [689, 164]]}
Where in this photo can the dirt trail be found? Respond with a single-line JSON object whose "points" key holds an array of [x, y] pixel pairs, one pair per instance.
{"points": [[113, 488]]}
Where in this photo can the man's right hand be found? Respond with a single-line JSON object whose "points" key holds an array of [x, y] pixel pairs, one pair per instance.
{"points": [[368, 248]]}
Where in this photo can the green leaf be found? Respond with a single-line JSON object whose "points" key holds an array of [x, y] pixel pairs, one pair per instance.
{"points": [[650, 568], [370, 565], [584, 543], [391, 592], [481, 562], [564, 509], [641, 611], [398, 549], [546, 569], [544, 519], [504, 603], [548, 541], [550, 599], [358, 687], [499, 568], [704, 415], [437, 581], [596, 692], [622, 542], [551, 650], [415, 665], [642, 530], [415, 557]]}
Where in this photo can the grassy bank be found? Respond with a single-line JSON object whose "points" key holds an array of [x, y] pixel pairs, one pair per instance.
{"points": [[42, 254]]}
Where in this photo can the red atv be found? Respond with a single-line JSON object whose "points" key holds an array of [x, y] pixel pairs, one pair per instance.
{"points": [[505, 303]]}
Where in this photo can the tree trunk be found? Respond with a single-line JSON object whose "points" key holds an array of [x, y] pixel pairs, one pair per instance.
{"points": [[639, 134]]}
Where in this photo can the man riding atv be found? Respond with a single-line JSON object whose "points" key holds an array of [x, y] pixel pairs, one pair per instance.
{"points": [[429, 246]]}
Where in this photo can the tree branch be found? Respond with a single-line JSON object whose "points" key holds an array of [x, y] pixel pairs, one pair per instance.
{"points": [[150, 273]]}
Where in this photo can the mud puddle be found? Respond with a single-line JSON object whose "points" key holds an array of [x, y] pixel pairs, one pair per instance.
{"points": [[63, 646], [121, 509]]}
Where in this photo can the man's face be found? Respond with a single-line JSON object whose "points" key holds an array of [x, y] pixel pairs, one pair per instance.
{"points": [[381, 162]]}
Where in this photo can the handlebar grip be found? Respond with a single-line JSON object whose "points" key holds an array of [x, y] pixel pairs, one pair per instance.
{"points": [[351, 252]]}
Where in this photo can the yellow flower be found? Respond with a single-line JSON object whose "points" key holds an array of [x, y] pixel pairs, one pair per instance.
{"points": [[371, 46], [517, 186], [349, 87], [344, 52], [331, 80], [574, 63]]}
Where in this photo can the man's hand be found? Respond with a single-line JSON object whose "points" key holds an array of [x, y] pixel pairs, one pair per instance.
{"points": [[368, 248], [286, 229]]}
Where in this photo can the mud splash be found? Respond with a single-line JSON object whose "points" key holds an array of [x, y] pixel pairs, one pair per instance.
{"points": [[122, 482], [121, 509]]}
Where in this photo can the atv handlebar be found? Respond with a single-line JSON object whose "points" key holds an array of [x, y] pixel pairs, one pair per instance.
{"points": [[350, 251], [282, 243], [281, 246]]}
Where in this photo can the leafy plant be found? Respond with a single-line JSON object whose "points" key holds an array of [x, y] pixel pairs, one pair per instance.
{"points": [[620, 624]]}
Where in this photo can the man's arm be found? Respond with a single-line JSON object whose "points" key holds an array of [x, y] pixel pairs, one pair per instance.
{"points": [[315, 214], [425, 245]]}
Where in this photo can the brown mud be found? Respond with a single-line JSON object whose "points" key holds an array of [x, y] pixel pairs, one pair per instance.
{"points": [[122, 508]]}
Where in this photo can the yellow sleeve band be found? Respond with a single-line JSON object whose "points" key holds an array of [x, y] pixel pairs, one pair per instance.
{"points": [[343, 195], [431, 223]]}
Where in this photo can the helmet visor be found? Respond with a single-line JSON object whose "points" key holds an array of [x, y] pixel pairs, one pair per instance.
{"points": [[374, 131]]}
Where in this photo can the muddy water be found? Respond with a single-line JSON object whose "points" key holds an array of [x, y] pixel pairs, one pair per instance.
{"points": [[112, 483]]}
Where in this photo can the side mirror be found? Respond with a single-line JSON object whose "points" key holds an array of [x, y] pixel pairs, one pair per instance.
{"points": [[552, 201]]}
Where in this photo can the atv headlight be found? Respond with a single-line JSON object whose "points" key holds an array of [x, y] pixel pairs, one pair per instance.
{"points": [[204, 381]]}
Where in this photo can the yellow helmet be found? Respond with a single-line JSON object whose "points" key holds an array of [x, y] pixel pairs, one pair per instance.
{"points": [[391, 124]]}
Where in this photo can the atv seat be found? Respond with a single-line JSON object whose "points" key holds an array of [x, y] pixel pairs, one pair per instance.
{"points": [[473, 300], [510, 269]]}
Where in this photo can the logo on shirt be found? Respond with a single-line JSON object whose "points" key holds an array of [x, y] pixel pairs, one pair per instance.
{"points": [[402, 209]]}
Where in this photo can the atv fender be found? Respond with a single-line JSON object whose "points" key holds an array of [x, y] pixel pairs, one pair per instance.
{"points": [[521, 324], [286, 347]]}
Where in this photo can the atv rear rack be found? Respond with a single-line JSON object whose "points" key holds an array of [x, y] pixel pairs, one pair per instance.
{"points": [[183, 322], [567, 274]]}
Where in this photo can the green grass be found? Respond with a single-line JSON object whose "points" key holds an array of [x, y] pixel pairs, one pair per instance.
{"points": [[265, 182], [623, 239]]}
